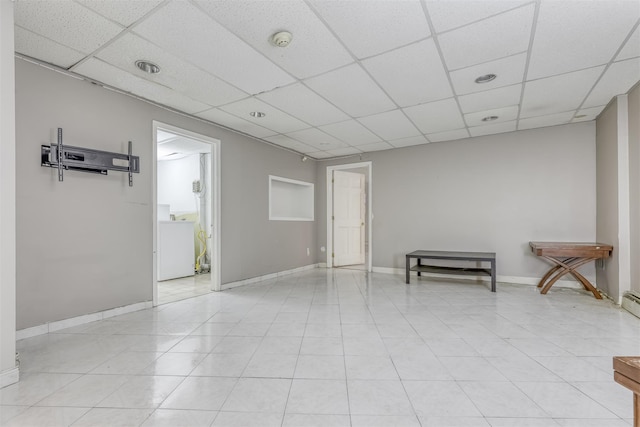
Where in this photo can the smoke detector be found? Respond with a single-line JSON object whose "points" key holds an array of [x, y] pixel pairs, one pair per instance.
{"points": [[282, 38]]}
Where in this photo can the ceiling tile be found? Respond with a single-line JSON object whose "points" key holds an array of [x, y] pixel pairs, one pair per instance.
{"points": [[320, 155], [490, 99], [543, 121], [229, 120], [617, 80], [448, 135], [493, 129], [378, 146], [493, 38], [446, 15], [380, 25], [35, 46], [504, 114], [408, 142], [318, 139], [66, 23], [303, 103], [112, 76], [352, 90], [351, 132], [313, 49], [211, 47], [508, 70], [175, 73], [572, 35], [411, 75], [344, 151], [436, 116], [631, 49], [124, 12], [274, 119], [290, 143], [588, 113], [559, 93], [390, 125]]}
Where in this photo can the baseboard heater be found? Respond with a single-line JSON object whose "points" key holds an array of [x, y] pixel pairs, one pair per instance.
{"points": [[631, 303]]}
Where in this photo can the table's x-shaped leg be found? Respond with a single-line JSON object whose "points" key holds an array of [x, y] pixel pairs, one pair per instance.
{"points": [[566, 266]]}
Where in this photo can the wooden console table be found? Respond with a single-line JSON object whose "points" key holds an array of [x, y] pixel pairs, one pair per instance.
{"points": [[626, 371], [453, 256], [567, 257]]}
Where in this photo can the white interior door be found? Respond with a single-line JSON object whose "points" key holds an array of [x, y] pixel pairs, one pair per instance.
{"points": [[348, 218]]}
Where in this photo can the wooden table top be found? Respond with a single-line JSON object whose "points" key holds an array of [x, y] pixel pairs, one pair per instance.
{"points": [[628, 366], [571, 249]]}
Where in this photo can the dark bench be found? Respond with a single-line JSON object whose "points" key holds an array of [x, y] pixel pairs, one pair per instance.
{"points": [[453, 256]]}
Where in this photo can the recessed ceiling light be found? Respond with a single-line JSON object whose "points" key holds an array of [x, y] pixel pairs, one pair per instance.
{"points": [[282, 38], [579, 116], [489, 118], [257, 114], [486, 78], [147, 67]]}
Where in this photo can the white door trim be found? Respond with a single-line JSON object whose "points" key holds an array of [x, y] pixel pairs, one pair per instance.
{"points": [[330, 169], [215, 201]]}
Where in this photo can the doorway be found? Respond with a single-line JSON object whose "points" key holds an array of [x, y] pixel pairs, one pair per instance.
{"points": [[186, 214], [349, 216]]}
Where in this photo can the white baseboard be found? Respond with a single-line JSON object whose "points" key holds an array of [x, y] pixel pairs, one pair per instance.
{"points": [[80, 320], [9, 376], [322, 265], [504, 279], [235, 284]]}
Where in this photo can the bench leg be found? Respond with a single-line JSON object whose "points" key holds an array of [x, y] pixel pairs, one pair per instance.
{"points": [[407, 270], [493, 275]]}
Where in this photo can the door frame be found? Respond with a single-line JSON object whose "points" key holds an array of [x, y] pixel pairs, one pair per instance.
{"points": [[215, 201], [368, 204]]}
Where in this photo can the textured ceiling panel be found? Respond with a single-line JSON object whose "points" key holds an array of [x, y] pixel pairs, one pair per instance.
{"points": [[384, 25], [495, 98], [508, 71], [344, 151], [447, 15], [36, 46], [175, 73], [378, 146], [313, 49], [229, 120], [570, 36], [493, 129], [497, 37], [437, 116], [586, 114], [124, 12], [411, 75], [408, 142], [67, 23], [503, 114], [618, 79], [317, 139], [631, 49], [290, 143], [108, 74], [558, 94], [352, 90], [300, 101], [273, 119], [549, 120], [390, 125], [448, 135], [211, 47], [351, 132]]}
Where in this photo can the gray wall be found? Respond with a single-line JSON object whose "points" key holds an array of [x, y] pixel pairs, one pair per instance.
{"points": [[85, 244], [493, 193], [607, 193], [634, 184]]}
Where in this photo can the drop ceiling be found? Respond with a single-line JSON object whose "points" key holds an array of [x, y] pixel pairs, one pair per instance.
{"points": [[359, 75]]}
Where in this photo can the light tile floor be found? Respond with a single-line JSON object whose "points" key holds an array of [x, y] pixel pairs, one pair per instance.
{"points": [[184, 287], [336, 348]]}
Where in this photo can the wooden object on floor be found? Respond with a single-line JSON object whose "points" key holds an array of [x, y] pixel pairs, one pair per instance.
{"points": [[453, 256], [567, 257], [626, 371]]}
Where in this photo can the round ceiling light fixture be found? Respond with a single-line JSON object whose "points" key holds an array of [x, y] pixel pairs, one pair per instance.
{"points": [[257, 114], [281, 38], [147, 66], [489, 118], [486, 78]]}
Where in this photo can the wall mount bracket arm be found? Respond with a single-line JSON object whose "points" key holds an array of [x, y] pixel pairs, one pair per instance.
{"points": [[63, 157]]}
